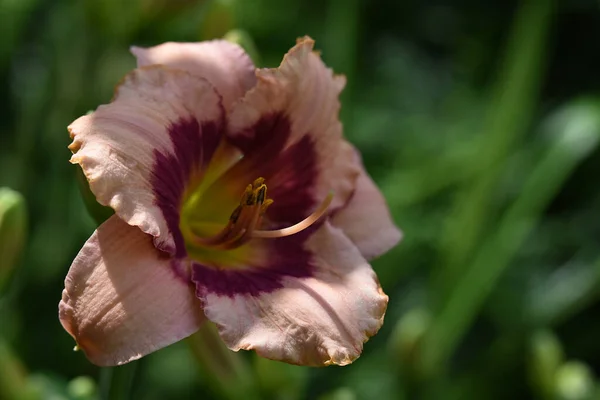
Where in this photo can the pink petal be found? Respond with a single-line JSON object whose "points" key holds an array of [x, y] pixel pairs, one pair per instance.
{"points": [[224, 64], [366, 220], [316, 320], [123, 300], [287, 126], [139, 152]]}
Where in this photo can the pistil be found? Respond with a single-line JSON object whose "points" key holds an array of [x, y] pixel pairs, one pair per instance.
{"points": [[300, 226]]}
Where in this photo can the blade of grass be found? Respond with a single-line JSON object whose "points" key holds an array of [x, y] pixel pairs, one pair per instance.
{"points": [[513, 99], [578, 138]]}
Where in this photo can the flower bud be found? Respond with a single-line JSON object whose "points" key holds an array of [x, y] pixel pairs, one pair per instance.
{"points": [[13, 227]]}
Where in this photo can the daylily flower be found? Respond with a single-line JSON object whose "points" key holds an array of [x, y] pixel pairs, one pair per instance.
{"points": [[236, 199]]}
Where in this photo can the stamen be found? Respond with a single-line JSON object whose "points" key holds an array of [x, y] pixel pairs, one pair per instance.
{"points": [[300, 226], [246, 217], [234, 229], [244, 232], [223, 234], [243, 220]]}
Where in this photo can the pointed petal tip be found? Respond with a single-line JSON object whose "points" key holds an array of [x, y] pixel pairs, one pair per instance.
{"points": [[305, 40], [302, 96]]}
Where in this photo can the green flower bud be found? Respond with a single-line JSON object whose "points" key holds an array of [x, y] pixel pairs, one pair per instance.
{"points": [[13, 228]]}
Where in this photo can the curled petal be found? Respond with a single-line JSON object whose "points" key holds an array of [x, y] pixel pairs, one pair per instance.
{"points": [[366, 219], [320, 319], [288, 128], [139, 151], [224, 64], [122, 298]]}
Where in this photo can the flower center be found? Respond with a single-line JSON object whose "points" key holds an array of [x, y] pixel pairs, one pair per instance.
{"points": [[246, 218]]}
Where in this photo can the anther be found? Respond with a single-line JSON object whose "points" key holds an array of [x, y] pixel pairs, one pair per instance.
{"points": [[262, 193], [258, 182], [235, 214], [265, 205]]}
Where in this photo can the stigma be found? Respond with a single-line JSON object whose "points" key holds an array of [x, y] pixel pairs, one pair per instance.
{"points": [[245, 220]]}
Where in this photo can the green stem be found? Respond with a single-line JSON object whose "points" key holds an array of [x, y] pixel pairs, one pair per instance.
{"points": [[116, 383], [228, 373]]}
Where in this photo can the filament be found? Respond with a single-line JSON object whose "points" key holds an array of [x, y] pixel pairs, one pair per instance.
{"points": [[300, 226]]}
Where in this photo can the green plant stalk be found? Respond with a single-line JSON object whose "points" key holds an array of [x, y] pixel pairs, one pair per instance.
{"points": [[229, 375], [116, 383], [471, 290], [513, 99], [279, 380]]}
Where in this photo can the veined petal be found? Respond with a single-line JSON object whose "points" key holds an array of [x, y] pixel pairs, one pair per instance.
{"points": [[123, 299], [139, 151], [319, 319], [366, 219], [287, 126], [224, 64]]}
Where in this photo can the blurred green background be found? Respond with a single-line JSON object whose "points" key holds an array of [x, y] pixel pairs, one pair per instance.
{"points": [[480, 122]]}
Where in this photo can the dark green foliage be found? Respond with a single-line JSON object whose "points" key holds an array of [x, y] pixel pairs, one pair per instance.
{"points": [[480, 121]]}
